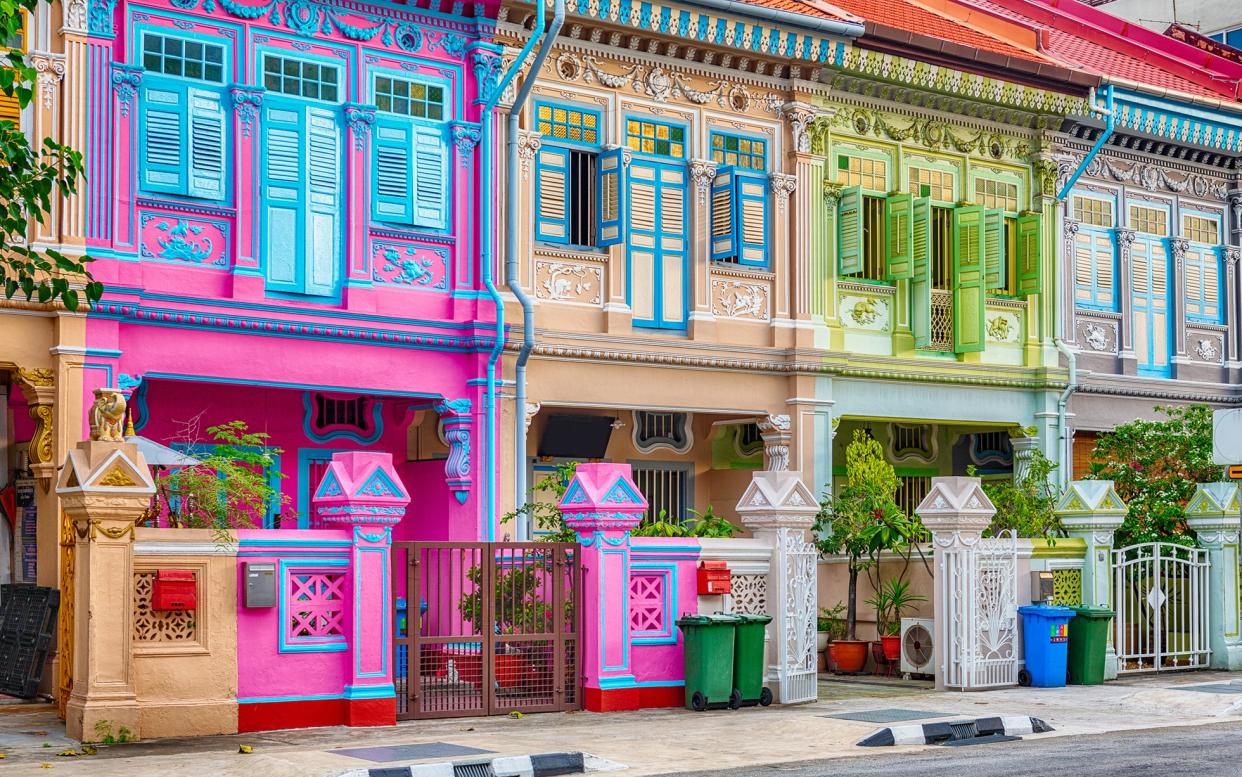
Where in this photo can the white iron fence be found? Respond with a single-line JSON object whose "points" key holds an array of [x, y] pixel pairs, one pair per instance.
{"points": [[1160, 597]]}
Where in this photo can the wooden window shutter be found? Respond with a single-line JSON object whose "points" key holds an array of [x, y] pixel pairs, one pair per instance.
{"points": [[850, 231], [899, 231], [968, 279], [206, 146], [323, 217], [994, 247], [1030, 259], [392, 171], [610, 228], [750, 200], [163, 139], [552, 195], [724, 228], [283, 195], [430, 177], [920, 262]]}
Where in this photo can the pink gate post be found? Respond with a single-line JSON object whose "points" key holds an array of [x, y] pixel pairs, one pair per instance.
{"points": [[362, 491], [602, 504]]}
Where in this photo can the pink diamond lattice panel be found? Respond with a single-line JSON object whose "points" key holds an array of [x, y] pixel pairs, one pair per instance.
{"points": [[651, 605], [312, 609]]}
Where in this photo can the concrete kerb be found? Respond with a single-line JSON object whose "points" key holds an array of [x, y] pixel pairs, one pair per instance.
{"points": [[539, 765], [952, 730]]}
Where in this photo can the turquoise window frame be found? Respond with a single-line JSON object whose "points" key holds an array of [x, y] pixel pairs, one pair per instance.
{"points": [[273, 471], [547, 138], [1094, 289], [413, 124], [656, 124], [739, 136], [568, 145]]}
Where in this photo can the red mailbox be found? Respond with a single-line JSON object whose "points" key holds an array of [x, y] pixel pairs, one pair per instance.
{"points": [[714, 578], [174, 589]]}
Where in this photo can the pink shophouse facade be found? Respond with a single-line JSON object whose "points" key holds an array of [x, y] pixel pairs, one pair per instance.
{"points": [[282, 198]]}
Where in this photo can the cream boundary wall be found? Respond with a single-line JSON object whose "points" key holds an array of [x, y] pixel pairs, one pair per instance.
{"points": [[190, 687]]}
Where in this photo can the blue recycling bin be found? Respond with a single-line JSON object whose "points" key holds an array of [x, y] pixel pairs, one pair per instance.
{"points": [[1045, 638]]}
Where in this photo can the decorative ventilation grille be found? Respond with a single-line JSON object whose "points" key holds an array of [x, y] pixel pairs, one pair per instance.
{"points": [[941, 321], [653, 430], [316, 606], [666, 491], [1067, 587], [153, 626], [911, 492], [750, 594]]}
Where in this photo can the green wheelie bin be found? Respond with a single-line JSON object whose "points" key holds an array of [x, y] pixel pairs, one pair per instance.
{"points": [[748, 661], [1088, 642], [709, 661]]}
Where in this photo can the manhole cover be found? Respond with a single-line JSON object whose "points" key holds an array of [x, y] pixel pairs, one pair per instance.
{"points": [[383, 755], [890, 715]]}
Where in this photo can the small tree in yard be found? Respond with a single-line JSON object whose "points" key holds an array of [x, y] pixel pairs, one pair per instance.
{"points": [[863, 519], [1154, 465], [1027, 506]]}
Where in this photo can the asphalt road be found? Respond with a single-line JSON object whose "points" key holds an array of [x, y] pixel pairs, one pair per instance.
{"points": [[1214, 751]]}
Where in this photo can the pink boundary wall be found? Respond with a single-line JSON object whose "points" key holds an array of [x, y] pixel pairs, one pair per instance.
{"points": [[634, 589], [341, 673]]}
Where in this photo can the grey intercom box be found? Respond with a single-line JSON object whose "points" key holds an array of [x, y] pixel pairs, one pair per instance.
{"points": [[1041, 586], [260, 584]]}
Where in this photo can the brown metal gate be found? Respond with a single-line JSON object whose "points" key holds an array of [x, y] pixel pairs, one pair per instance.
{"points": [[487, 628]]}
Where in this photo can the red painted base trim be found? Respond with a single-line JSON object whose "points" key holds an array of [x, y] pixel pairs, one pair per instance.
{"points": [[628, 699], [371, 712], [272, 715]]}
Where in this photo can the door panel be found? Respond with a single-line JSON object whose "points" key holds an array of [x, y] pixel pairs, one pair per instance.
{"points": [[657, 244]]}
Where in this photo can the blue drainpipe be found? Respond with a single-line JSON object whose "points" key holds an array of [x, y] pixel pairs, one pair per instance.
{"points": [[512, 278], [485, 257], [1063, 438]]}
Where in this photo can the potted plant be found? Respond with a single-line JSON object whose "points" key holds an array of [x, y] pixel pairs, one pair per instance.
{"points": [[860, 521], [891, 600], [829, 626]]}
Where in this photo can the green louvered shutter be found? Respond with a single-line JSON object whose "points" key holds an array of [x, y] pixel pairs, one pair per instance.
{"points": [[164, 134], [899, 230], [610, 204], [1030, 254], [206, 145], [392, 171], [968, 278], [920, 262], [850, 231], [994, 247], [430, 177]]}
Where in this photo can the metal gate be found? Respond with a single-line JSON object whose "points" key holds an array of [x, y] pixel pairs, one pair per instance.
{"points": [[981, 618], [1160, 598], [486, 628]]}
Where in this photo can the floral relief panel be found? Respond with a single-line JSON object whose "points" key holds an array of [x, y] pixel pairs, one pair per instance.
{"points": [[741, 298], [573, 283], [184, 239], [1205, 345], [859, 311], [409, 266]]}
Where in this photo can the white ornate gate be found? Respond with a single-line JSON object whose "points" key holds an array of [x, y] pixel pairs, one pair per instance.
{"points": [[1161, 604], [981, 614]]}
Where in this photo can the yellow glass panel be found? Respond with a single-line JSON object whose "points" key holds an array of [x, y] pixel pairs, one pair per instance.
{"points": [[560, 114], [662, 132], [545, 112]]}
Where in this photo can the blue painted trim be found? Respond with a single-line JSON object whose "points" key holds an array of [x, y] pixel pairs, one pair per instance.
{"points": [[1110, 125], [604, 612], [273, 472], [104, 353], [370, 691], [305, 457], [258, 542], [289, 644], [107, 368], [622, 681], [293, 697], [386, 616]]}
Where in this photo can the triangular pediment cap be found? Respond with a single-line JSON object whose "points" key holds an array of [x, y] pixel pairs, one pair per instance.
{"points": [[361, 486], [105, 467], [777, 498], [956, 503], [1091, 498], [1212, 500], [603, 486]]}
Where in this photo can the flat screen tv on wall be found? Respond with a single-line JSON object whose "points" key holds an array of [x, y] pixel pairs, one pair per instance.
{"points": [[578, 437]]}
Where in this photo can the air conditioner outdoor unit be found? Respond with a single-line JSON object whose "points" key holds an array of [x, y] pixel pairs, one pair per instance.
{"points": [[918, 650]]}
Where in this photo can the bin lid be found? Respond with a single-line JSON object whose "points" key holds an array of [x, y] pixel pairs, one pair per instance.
{"points": [[764, 619], [716, 619], [1047, 611], [1093, 612]]}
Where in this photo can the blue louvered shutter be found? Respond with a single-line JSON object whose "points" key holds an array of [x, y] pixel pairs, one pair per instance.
{"points": [[392, 171], [750, 203], [283, 195], [207, 149], [610, 205], [724, 225], [552, 195], [163, 157], [323, 213], [430, 177]]}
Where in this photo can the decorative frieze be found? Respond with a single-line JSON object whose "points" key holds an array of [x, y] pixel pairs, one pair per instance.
{"points": [[744, 299], [1100, 336], [1205, 346], [569, 282]]}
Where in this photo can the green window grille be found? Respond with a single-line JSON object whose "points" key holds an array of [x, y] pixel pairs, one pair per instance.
{"points": [[1067, 587]]}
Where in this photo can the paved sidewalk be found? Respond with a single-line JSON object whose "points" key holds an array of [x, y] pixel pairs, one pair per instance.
{"points": [[646, 743]]}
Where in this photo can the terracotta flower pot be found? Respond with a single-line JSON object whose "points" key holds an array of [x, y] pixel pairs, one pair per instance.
{"points": [[892, 646], [848, 655]]}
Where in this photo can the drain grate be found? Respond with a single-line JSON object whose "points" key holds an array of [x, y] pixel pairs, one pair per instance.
{"points": [[964, 730], [890, 715], [473, 770]]}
